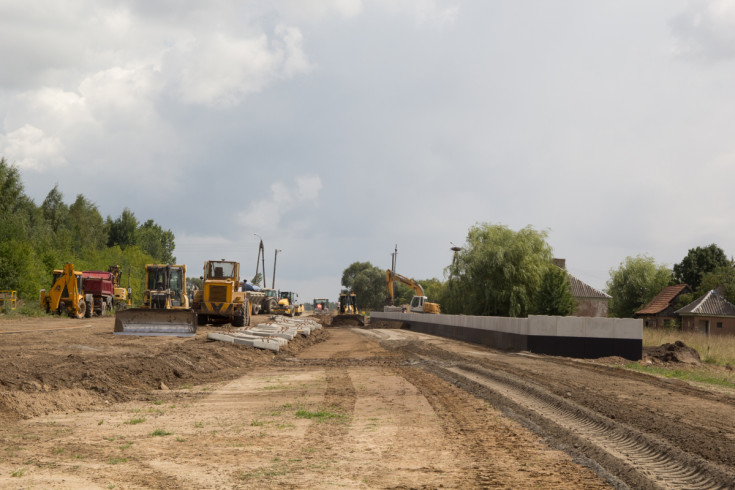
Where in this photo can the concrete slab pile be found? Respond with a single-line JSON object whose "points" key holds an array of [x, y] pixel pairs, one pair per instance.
{"points": [[271, 335]]}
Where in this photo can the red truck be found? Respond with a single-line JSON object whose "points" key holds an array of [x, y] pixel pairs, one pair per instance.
{"points": [[101, 285]]}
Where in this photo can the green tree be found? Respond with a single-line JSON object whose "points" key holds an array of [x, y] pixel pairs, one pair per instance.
{"points": [[367, 282], [88, 227], [554, 296], [156, 241], [721, 277], [257, 279], [122, 230], [698, 262], [634, 284], [497, 272]]}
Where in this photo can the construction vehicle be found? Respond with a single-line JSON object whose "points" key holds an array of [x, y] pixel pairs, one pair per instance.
{"points": [[8, 299], [122, 296], [165, 310], [347, 313], [321, 306], [221, 299], [101, 285], [288, 304], [66, 294], [419, 303]]}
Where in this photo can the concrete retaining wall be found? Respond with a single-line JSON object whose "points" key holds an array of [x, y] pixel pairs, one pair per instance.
{"points": [[570, 336]]}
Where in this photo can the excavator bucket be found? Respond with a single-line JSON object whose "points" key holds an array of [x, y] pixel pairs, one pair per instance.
{"points": [[156, 322]]}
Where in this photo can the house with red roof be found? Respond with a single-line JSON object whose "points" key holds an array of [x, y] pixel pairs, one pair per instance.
{"points": [[711, 314], [660, 311]]}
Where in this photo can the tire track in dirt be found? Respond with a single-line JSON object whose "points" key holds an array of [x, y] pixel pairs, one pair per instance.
{"points": [[638, 459], [477, 432], [340, 397]]}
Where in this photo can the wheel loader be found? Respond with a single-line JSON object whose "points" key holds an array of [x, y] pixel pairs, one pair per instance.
{"points": [[66, 294], [221, 299], [288, 304], [165, 310]]}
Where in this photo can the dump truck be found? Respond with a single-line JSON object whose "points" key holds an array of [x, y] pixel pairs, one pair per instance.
{"points": [[347, 314], [165, 310], [221, 299], [288, 304], [419, 302], [101, 285], [66, 294]]}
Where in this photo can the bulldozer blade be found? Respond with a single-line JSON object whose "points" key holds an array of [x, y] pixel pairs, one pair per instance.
{"points": [[348, 320], [154, 322]]}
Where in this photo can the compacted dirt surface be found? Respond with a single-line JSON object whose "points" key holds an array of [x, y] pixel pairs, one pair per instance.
{"points": [[345, 407]]}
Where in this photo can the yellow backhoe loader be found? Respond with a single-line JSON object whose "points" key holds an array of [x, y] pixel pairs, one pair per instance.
{"points": [[419, 303], [165, 310], [347, 314], [66, 294]]}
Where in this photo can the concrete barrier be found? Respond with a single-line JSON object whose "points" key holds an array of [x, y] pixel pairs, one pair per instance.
{"points": [[582, 337]]}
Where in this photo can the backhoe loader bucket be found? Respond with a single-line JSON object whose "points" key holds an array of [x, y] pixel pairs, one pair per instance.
{"points": [[156, 322], [348, 320]]}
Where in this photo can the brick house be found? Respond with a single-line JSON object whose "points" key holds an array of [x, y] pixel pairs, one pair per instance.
{"points": [[590, 301], [711, 314], [661, 308]]}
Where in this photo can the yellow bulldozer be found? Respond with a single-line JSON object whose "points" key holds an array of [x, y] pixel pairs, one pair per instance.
{"points": [[347, 314], [66, 294], [419, 303], [165, 310], [221, 299]]}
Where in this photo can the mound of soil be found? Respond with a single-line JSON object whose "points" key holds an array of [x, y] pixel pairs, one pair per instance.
{"points": [[676, 352]]}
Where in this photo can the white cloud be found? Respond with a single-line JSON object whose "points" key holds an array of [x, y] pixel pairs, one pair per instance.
{"points": [[29, 148], [706, 30], [266, 214]]}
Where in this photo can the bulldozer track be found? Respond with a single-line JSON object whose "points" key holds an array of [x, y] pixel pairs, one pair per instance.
{"points": [[649, 463]]}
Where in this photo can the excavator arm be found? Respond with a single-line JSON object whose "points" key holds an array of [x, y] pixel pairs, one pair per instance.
{"points": [[392, 276]]}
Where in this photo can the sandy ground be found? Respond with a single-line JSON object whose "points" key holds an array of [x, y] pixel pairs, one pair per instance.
{"points": [[346, 407]]}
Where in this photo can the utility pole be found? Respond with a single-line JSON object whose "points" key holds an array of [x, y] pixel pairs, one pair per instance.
{"points": [[261, 257], [275, 259], [394, 255]]}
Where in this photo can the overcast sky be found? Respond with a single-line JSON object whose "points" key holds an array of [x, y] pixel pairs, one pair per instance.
{"points": [[336, 129]]}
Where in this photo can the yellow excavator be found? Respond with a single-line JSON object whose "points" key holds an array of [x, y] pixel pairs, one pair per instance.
{"points": [[419, 303], [165, 310], [66, 294]]}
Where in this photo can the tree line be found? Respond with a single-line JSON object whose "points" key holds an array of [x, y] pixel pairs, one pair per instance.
{"points": [[36, 239], [504, 272]]}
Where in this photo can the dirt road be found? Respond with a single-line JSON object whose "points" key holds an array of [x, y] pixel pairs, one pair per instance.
{"points": [[356, 408]]}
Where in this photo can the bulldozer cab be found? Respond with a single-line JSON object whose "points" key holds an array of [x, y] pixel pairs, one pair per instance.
{"points": [[166, 285]]}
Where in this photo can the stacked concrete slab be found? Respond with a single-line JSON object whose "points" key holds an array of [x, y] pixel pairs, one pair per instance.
{"points": [[271, 335], [582, 337]]}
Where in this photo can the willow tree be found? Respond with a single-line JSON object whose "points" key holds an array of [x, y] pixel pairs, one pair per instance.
{"points": [[498, 271]]}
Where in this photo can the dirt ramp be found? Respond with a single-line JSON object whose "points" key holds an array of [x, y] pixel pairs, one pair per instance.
{"points": [[676, 352]]}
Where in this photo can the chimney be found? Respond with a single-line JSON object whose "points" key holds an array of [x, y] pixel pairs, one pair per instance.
{"points": [[560, 263]]}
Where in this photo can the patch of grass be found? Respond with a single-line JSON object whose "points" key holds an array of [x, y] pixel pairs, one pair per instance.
{"points": [[257, 423], [715, 349], [319, 415], [157, 402], [17, 473], [693, 374], [139, 420], [263, 473], [160, 433], [180, 439], [125, 446], [198, 425], [100, 422], [117, 460], [186, 386], [59, 450]]}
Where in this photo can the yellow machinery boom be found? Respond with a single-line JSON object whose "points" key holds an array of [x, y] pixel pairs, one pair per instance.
{"points": [[165, 310], [419, 302], [66, 293]]}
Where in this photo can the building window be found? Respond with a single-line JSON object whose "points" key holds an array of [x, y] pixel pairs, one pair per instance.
{"points": [[719, 324]]}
